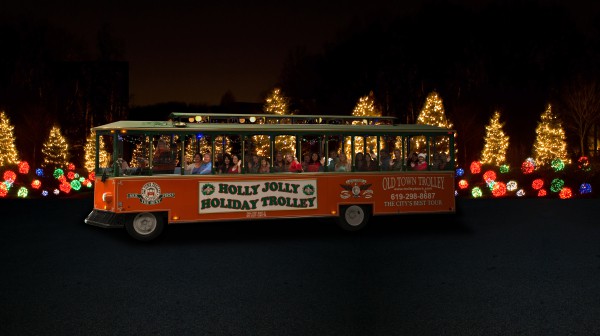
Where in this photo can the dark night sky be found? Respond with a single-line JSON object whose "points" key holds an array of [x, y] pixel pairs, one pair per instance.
{"points": [[194, 51]]}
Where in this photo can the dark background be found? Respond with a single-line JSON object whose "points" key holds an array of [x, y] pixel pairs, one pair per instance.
{"points": [[81, 64], [500, 267]]}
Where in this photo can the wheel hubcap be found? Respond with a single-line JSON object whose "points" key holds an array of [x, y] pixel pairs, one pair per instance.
{"points": [[354, 215], [144, 223]]}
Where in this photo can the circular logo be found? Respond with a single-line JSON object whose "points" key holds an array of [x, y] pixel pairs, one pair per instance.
{"points": [[208, 189], [150, 192], [308, 190]]}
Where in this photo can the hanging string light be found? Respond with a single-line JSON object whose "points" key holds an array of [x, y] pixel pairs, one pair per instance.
{"points": [[537, 184], [476, 192], [511, 186], [556, 185]]}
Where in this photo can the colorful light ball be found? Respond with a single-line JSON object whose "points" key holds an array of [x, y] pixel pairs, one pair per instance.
{"points": [[499, 189], [583, 163], [585, 188], [527, 167], [565, 193], [44, 193], [76, 176], [58, 173], [82, 179], [76, 185], [65, 187], [504, 169], [463, 184], [56, 192], [36, 184], [542, 193], [62, 179], [3, 190], [489, 175], [70, 175], [521, 193], [511, 186], [557, 164], [88, 183], [22, 192], [475, 167], [537, 184], [556, 185], [10, 176], [92, 176], [455, 193], [23, 167], [460, 172], [39, 172], [490, 184], [71, 166], [476, 192]]}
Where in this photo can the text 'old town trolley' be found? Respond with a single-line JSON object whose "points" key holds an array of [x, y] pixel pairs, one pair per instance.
{"points": [[202, 167]]}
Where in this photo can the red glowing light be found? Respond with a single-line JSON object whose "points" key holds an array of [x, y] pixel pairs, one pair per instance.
{"points": [[475, 167], [537, 184], [23, 167], [499, 189], [36, 184], [71, 166], [65, 187], [10, 176], [3, 189], [542, 193], [463, 184], [70, 175], [527, 167], [92, 176], [489, 175], [565, 193]]}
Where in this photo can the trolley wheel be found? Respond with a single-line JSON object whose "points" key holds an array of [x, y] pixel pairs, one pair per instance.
{"points": [[145, 226], [354, 217]]}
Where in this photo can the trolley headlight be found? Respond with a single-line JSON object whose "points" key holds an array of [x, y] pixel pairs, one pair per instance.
{"points": [[107, 197]]}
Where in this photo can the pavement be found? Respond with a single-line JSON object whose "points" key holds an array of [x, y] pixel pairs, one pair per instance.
{"points": [[498, 267]]}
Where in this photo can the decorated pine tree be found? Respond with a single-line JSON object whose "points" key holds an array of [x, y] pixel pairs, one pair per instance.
{"points": [[55, 150], [550, 142], [276, 103], [365, 107], [90, 152], [495, 142], [432, 114], [8, 150]]}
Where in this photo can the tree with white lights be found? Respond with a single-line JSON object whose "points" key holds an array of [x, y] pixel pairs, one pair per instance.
{"points": [[432, 114], [365, 107], [55, 150], [8, 150], [276, 103], [90, 152], [496, 142], [550, 142]]}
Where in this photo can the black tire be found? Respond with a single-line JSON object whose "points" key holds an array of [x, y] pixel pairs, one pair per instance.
{"points": [[354, 217], [145, 226]]}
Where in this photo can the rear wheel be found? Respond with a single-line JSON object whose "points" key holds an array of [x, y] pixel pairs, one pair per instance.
{"points": [[354, 217], [145, 226]]}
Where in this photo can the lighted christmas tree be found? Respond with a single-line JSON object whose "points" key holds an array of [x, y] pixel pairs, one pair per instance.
{"points": [[8, 150], [432, 114], [90, 152], [55, 150], [550, 142], [276, 103], [365, 107], [496, 142], [140, 151]]}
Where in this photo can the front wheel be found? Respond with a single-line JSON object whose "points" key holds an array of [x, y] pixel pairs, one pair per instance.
{"points": [[354, 217], [145, 226]]}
